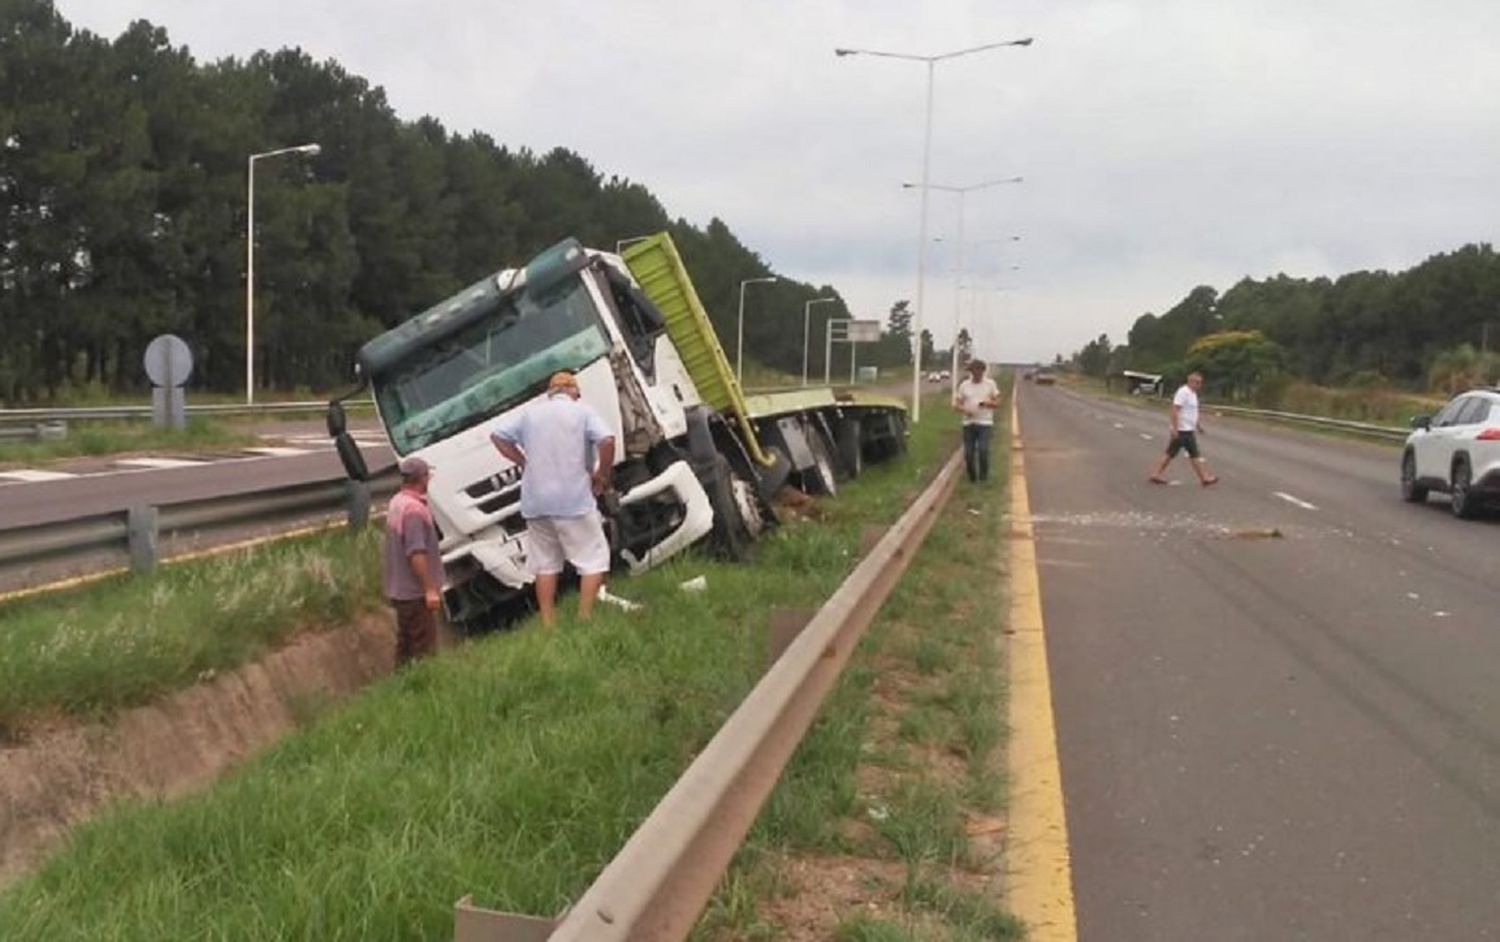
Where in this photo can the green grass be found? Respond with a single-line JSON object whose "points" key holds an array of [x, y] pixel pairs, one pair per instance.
{"points": [[513, 768], [870, 929], [128, 639], [86, 439], [939, 629]]}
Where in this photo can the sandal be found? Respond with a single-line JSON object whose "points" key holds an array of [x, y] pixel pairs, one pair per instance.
{"points": [[1156, 480], [1210, 482]]}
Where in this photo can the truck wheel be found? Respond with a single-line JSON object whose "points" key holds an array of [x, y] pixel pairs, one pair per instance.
{"points": [[851, 450], [737, 518], [822, 477]]}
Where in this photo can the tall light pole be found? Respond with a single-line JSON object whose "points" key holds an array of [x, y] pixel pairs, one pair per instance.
{"points": [[806, 329], [932, 61], [958, 278], [739, 336], [309, 149]]}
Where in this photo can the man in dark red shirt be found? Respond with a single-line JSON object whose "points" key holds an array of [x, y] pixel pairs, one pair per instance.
{"points": [[413, 563]]}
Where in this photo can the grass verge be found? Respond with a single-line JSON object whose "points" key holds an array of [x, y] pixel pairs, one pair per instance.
{"points": [[87, 439], [887, 824], [513, 768], [128, 639]]}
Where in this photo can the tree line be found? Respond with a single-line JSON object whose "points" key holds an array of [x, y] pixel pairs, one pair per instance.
{"points": [[1435, 326], [123, 215]]}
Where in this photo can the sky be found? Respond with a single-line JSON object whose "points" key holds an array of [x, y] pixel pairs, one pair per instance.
{"points": [[1163, 143]]}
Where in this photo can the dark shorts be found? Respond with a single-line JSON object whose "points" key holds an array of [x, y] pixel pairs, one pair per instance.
{"points": [[1183, 441], [416, 630]]}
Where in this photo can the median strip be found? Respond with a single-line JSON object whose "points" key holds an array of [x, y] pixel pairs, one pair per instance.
{"points": [[511, 768]]}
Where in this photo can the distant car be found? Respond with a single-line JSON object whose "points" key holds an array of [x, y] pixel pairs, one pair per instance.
{"points": [[1044, 378], [1029, 375], [934, 377], [1456, 452]]}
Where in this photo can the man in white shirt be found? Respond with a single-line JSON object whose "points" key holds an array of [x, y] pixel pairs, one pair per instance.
{"points": [[554, 442], [1183, 434], [976, 398]]}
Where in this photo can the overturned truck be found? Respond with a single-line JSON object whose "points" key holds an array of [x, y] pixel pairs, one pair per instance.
{"points": [[696, 458]]}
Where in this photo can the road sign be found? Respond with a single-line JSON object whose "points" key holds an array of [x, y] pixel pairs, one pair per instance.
{"points": [[169, 363], [864, 331]]}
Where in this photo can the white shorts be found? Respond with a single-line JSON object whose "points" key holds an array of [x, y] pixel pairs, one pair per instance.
{"points": [[551, 541]]}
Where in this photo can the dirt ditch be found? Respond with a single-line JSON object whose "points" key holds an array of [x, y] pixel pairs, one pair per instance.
{"points": [[65, 773]]}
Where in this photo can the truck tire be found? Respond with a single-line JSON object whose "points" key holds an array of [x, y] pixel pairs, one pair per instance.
{"points": [[733, 501], [822, 477], [851, 448]]}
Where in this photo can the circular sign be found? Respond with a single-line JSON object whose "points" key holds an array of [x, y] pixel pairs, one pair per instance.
{"points": [[169, 362]]}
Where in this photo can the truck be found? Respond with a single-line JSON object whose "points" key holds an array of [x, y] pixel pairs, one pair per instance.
{"points": [[697, 458]]}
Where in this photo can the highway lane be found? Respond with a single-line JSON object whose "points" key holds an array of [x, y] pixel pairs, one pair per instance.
{"points": [[100, 489], [1265, 737]]}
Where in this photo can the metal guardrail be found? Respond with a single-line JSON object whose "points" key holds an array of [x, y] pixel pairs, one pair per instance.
{"points": [[135, 533], [658, 884], [33, 416], [1383, 432], [41, 430]]}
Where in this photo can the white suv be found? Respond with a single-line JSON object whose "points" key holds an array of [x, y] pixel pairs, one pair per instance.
{"points": [[1456, 451]]}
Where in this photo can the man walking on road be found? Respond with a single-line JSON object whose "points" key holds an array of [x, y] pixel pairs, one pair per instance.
{"points": [[1184, 431], [413, 575], [553, 442], [976, 398]]}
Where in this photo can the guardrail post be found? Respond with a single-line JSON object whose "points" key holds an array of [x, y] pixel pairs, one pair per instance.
{"points": [[140, 531], [359, 504]]}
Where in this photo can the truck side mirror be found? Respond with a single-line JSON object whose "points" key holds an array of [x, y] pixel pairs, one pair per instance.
{"points": [[351, 457], [338, 421], [1423, 422]]}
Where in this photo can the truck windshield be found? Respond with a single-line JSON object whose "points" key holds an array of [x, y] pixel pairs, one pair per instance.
{"points": [[488, 366]]}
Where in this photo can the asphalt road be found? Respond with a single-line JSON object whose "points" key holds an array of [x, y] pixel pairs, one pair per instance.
{"points": [[1262, 737], [102, 487]]}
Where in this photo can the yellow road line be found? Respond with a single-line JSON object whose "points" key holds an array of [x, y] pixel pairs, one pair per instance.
{"points": [[1039, 876]]}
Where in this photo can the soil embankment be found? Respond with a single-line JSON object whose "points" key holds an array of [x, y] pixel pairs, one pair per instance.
{"points": [[61, 776]]}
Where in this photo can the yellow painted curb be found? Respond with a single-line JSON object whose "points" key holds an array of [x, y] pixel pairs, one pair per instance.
{"points": [[1039, 875]]}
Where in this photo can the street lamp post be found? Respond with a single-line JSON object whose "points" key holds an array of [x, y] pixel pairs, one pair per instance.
{"points": [[958, 277], [310, 149], [932, 61], [984, 311], [806, 330], [739, 337]]}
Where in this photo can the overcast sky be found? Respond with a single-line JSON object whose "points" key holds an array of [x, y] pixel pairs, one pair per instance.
{"points": [[1164, 143]]}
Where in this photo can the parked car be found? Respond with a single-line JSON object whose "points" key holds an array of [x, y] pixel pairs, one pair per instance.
{"points": [[1456, 452]]}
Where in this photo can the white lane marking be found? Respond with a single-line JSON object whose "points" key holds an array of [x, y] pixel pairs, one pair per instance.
{"points": [[1295, 500], [1119, 425], [160, 463], [276, 452], [1145, 436], [36, 476]]}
